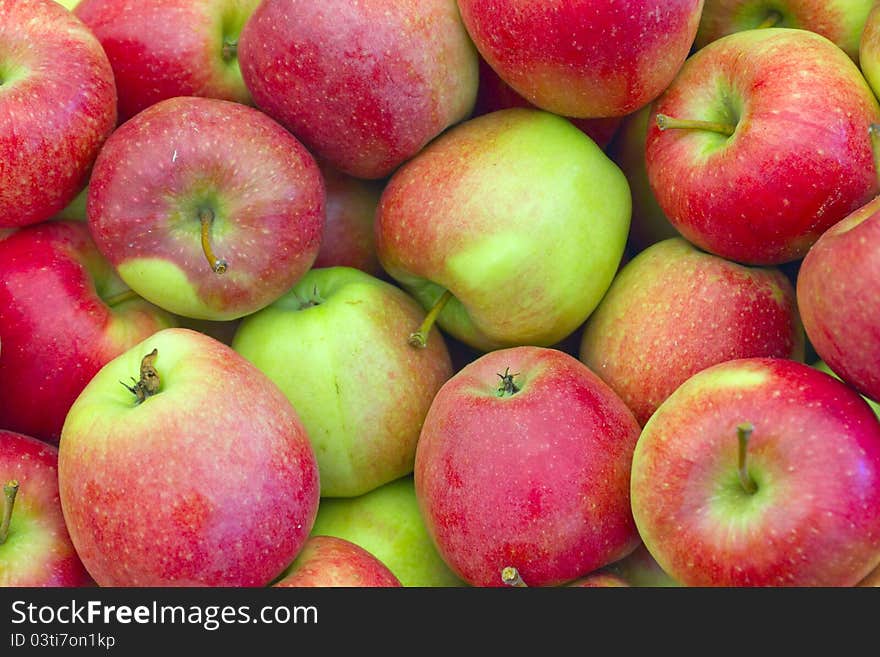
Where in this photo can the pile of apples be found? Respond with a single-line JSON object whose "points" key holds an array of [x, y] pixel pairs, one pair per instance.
{"points": [[439, 292]]}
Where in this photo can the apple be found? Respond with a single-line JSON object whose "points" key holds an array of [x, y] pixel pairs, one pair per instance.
{"points": [[747, 164], [35, 549], [336, 345], [512, 259], [349, 238], [199, 473], [869, 49], [639, 569], [387, 523], [584, 58], [76, 209], [64, 314], [840, 21], [166, 48], [57, 107], [675, 310], [598, 579], [327, 561], [207, 208], [760, 472], [364, 85], [822, 366], [68, 4], [524, 463], [872, 579]]}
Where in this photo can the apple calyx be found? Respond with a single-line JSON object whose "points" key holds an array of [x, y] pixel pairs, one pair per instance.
{"points": [[206, 218], [665, 122], [772, 20], [419, 339], [507, 387], [10, 490], [511, 577], [149, 381], [744, 432], [121, 297]]}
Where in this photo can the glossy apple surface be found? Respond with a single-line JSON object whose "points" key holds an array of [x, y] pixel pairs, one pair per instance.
{"points": [[327, 561]]}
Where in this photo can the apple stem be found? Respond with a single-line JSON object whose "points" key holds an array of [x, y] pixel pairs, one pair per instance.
{"points": [[121, 297], [511, 577], [744, 432], [874, 133], [10, 490], [230, 50], [149, 382], [218, 265], [772, 20], [419, 339], [507, 385], [665, 122]]}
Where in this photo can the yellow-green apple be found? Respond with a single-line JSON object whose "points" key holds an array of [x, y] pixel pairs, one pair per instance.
{"points": [[760, 472], [35, 549], [197, 473], [745, 162], [365, 85], [336, 345], [57, 107], [349, 238], [387, 523], [640, 569], [76, 209], [840, 21], [166, 48], [206, 207], [869, 49], [64, 313], [675, 310], [511, 225], [872, 580], [328, 561], [822, 366], [584, 58], [69, 4], [524, 462]]}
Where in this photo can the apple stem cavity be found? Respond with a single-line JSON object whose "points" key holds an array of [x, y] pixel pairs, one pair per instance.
{"points": [[772, 20], [744, 432], [218, 265], [511, 577], [10, 490], [230, 50], [149, 382], [419, 339], [121, 297], [507, 385], [665, 122]]}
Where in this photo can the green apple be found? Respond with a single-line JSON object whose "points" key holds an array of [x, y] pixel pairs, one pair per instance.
{"points": [[387, 523], [823, 367], [69, 4], [336, 345]]}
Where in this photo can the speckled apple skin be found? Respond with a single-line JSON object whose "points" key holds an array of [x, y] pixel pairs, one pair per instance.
{"points": [[538, 480], [869, 49], [37, 551], [674, 310], [327, 561], [57, 107], [584, 58], [210, 482], [814, 456], [365, 85]]}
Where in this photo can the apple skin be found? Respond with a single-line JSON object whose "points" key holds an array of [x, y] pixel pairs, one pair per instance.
{"points": [[349, 238], [795, 166], [327, 561], [183, 155], [68, 4], [166, 48], [675, 310], [37, 551], [388, 524], [639, 569], [57, 107], [210, 482], [56, 326], [814, 456], [336, 344], [364, 85], [599, 580], [869, 49], [822, 366], [838, 300], [537, 480], [840, 21], [527, 255], [558, 55]]}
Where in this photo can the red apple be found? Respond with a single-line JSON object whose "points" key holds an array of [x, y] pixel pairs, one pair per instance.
{"points": [[599, 580], [198, 474], [752, 165], [675, 310], [207, 208], [327, 561], [64, 314], [57, 106], [524, 463], [166, 48], [365, 85], [584, 58], [35, 549], [760, 472]]}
